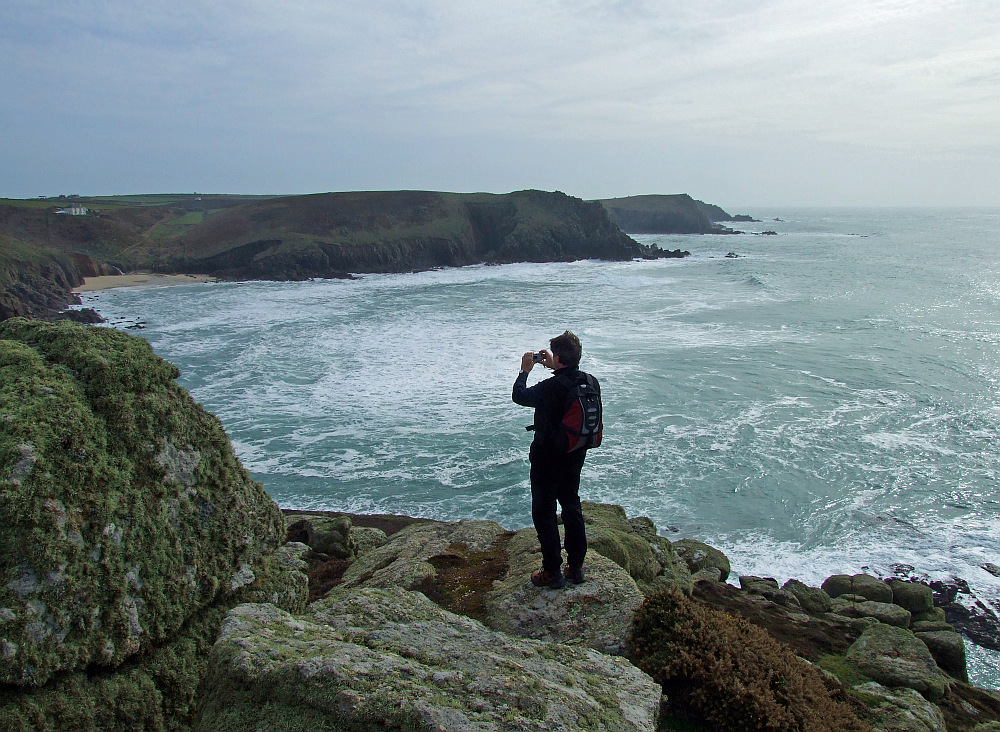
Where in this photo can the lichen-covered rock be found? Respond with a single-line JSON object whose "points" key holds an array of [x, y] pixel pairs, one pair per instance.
{"points": [[865, 585], [767, 587], [759, 585], [948, 649], [926, 626], [596, 613], [895, 657], [811, 599], [698, 556], [124, 510], [366, 538], [391, 659], [914, 596], [884, 612], [405, 560], [897, 710]]}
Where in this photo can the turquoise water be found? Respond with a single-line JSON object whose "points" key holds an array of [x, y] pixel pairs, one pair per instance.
{"points": [[825, 402]]}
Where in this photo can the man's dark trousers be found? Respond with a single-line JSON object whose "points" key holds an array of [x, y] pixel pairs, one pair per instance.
{"points": [[555, 477]]}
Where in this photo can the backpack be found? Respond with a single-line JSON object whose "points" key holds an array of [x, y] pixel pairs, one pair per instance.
{"points": [[582, 425]]}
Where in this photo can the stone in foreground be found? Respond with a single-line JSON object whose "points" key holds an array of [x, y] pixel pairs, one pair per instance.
{"points": [[898, 710], [387, 658], [597, 613]]}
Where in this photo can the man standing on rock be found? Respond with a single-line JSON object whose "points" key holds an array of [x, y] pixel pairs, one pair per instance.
{"points": [[555, 472]]}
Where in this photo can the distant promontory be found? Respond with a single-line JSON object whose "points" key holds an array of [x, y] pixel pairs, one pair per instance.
{"points": [[668, 214], [48, 245]]}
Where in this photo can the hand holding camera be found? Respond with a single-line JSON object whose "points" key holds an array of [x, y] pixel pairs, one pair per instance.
{"points": [[529, 359]]}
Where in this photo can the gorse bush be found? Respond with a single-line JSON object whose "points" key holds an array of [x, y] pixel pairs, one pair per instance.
{"points": [[729, 673]]}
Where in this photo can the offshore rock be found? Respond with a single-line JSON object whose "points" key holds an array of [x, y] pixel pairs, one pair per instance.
{"points": [[897, 710], [391, 659], [895, 657], [125, 511], [596, 614], [975, 618]]}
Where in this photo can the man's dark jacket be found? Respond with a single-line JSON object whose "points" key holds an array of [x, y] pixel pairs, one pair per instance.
{"points": [[548, 397]]}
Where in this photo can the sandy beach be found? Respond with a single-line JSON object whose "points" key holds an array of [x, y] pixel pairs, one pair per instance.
{"points": [[107, 282]]}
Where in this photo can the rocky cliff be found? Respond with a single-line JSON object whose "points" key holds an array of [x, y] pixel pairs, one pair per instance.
{"points": [[37, 281]]}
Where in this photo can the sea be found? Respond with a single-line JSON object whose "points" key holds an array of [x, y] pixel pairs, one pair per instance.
{"points": [[817, 395]]}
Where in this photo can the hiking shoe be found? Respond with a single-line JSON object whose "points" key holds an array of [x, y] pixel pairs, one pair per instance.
{"points": [[573, 574], [545, 578]]}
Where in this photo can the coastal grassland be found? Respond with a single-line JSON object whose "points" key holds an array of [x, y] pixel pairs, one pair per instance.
{"points": [[178, 226]]}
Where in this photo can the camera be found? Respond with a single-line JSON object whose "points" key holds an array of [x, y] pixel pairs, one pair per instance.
{"points": [[539, 357]]}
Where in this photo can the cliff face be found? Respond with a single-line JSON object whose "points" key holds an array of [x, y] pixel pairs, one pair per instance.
{"points": [[38, 282], [663, 214], [333, 234]]}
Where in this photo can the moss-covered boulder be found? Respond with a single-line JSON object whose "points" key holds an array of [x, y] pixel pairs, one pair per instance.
{"points": [[884, 612], [125, 511], [897, 710], [948, 649], [410, 558], [811, 599], [895, 657], [374, 658], [634, 545]]}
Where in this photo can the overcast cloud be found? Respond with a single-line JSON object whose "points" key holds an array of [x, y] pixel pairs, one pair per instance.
{"points": [[765, 102]]}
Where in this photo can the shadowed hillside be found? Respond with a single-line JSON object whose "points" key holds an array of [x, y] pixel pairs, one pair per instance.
{"points": [[334, 234]]}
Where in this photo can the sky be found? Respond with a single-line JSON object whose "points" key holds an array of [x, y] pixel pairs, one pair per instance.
{"points": [[739, 103]]}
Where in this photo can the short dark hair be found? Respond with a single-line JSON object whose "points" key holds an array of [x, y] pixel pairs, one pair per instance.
{"points": [[568, 348]]}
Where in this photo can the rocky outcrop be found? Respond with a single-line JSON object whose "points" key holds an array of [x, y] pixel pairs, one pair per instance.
{"points": [[699, 557], [129, 528], [596, 613], [899, 709], [387, 658]]}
